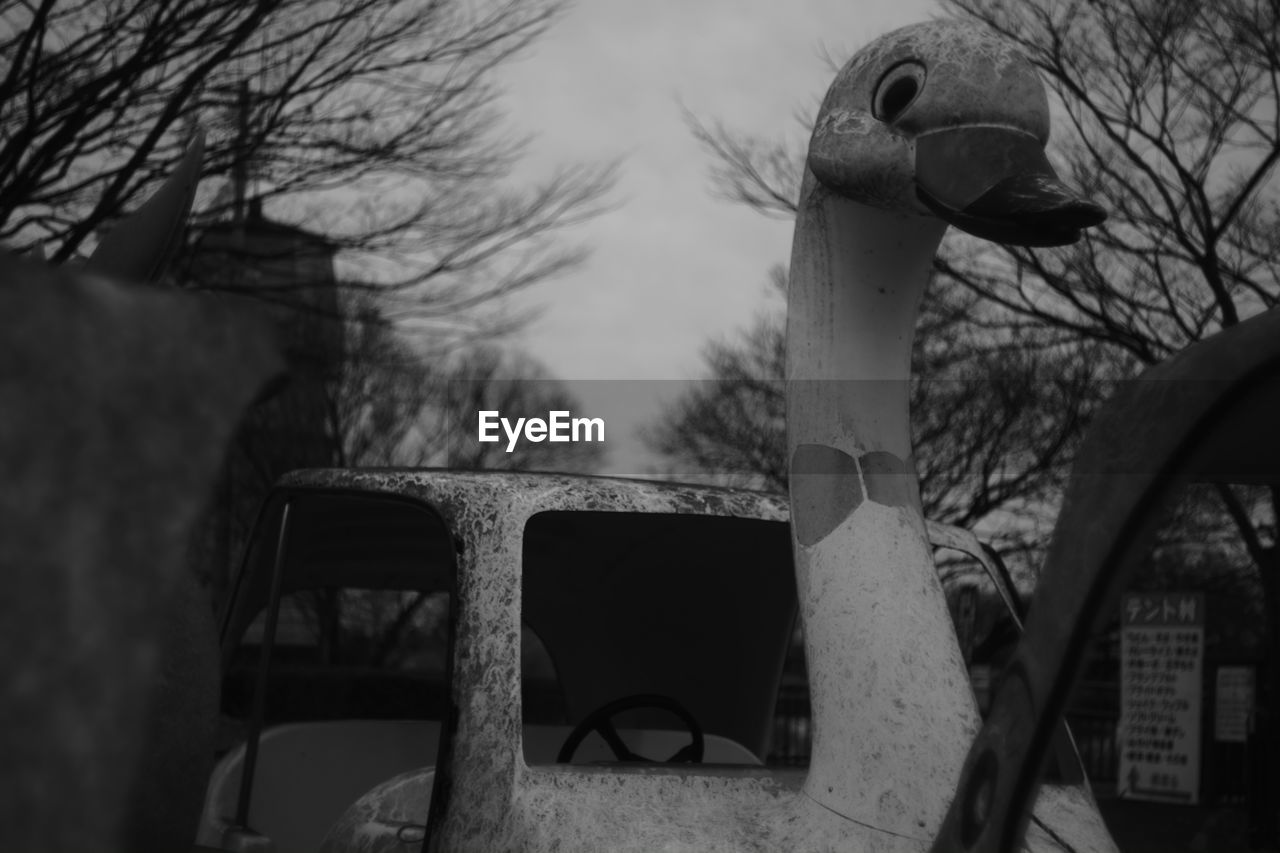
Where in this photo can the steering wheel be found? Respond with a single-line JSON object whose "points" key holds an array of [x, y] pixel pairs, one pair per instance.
{"points": [[601, 720]]}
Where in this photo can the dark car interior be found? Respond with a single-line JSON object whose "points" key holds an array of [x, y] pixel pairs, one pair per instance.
{"points": [[679, 623], [695, 609]]}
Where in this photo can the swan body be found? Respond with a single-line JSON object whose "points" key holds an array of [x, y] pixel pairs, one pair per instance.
{"points": [[930, 125]]}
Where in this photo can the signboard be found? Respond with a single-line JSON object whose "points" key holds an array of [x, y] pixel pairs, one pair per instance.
{"points": [[1233, 703], [1161, 660]]}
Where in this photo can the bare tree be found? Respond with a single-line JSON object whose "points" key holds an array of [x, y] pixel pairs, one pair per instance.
{"points": [[1174, 125], [394, 405], [376, 399], [517, 386], [730, 428], [991, 447], [374, 120]]}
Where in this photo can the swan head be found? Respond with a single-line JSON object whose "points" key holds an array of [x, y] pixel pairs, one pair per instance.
{"points": [[947, 120]]}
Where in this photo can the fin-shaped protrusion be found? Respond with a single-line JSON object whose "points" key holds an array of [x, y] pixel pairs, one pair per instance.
{"points": [[142, 244]]}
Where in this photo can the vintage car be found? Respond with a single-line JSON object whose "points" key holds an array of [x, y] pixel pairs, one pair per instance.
{"points": [[511, 661], [479, 629]]}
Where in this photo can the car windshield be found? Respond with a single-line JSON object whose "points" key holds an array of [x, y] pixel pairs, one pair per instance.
{"points": [[697, 609]]}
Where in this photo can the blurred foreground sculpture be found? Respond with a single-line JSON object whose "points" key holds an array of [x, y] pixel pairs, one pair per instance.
{"points": [[117, 402]]}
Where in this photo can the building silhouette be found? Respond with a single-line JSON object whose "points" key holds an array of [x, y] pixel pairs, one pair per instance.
{"points": [[288, 274]]}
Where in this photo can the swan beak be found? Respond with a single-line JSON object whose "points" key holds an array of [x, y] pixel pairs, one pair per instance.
{"points": [[996, 183]]}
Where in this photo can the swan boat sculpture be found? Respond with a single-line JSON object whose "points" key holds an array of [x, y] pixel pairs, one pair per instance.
{"points": [[945, 120], [930, 125]]}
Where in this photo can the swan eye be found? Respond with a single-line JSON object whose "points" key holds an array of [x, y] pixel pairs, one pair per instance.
{"points": [[897, 89]]}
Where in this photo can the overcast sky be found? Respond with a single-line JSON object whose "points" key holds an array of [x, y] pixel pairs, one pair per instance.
{"points": [[672, 266]]}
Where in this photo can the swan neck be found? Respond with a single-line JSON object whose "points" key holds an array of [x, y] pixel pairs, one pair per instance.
{"points": [[892, 709], [857, 277]]}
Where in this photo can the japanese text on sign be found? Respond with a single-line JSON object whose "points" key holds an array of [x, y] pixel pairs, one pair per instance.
{"points": [[1163, 608], [1233, 704], [1162, 651]]}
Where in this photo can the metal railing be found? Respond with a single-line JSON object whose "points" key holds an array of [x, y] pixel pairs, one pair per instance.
{"points": [[1095, 735]]}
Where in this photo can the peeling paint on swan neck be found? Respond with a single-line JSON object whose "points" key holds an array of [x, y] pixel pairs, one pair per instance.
{"points": [[892, 710], [857, 276]]}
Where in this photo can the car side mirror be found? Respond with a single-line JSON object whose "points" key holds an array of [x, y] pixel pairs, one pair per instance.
{"points": [[1206, 414]]}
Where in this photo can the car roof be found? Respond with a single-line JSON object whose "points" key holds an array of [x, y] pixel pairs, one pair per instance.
{"points": [[383, 512], [446, 489], [676, 580]]}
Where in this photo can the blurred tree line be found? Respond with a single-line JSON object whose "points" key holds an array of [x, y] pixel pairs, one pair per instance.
{"points": [[376, 125], [374, 122]]}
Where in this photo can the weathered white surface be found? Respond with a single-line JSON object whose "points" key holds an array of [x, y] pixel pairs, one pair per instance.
{"points": [[893, 714]]}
